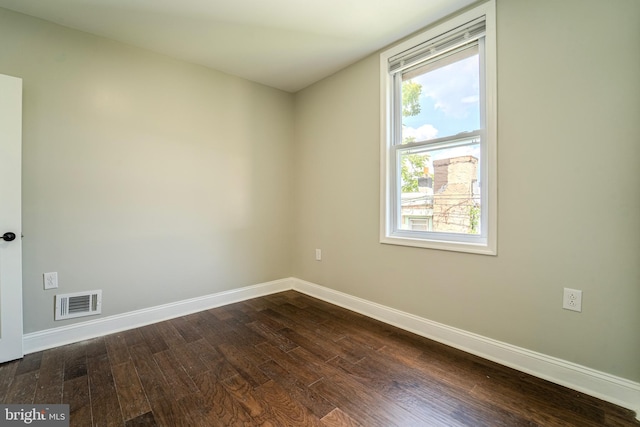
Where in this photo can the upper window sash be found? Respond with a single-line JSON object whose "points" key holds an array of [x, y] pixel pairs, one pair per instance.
{"points": [[455, 54]]}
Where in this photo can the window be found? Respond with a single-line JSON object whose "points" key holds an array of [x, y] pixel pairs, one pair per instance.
{"points": [[438, 136]]}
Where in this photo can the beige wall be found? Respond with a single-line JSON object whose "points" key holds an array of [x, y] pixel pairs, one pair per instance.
{"points": [[146, 177], [569, 198]]}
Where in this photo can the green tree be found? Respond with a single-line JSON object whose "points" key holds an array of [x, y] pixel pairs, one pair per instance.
{"points": [[412, 169], [412, 164], [474, 219], [411, 98]]}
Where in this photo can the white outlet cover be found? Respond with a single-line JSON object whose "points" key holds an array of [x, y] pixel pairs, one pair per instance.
{"points": [[572, 299]]}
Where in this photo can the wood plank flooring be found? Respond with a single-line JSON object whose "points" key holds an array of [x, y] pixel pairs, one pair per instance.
{"points": [[289, 360]]}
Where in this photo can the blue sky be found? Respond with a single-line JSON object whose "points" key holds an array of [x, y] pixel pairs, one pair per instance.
{"points": [[448, 102]]}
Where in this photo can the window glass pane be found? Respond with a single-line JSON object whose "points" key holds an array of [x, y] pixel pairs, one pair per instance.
{"points": [[441, 98], [440, 185]]}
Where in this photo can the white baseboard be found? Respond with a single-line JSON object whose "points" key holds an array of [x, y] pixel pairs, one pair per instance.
{"points": [[604, 386], [49, 338], [586, 380]]}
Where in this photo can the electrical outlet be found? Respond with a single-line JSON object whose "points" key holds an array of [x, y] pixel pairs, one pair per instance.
{"points": [[50, 280], [572, 299], [318, 254]]}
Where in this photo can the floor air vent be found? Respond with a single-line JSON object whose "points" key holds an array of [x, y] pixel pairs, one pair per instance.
{"points": [[78, 304]]}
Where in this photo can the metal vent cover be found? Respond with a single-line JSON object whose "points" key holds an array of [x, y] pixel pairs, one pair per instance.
{"points": [[78, 304]]}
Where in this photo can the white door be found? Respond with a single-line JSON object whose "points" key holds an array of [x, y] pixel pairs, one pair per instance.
{"points": [[10, 218]]}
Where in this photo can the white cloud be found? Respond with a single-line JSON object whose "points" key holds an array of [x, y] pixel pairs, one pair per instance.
{"points": [[422, 133]]}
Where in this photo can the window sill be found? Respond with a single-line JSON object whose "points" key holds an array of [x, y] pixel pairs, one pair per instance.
{"points": [[472, 248]]}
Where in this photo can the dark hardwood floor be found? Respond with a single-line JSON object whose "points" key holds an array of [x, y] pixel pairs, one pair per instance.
{"points": [[289, 360]]}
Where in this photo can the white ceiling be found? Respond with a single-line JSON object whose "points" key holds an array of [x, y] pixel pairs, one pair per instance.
{"points": [[287, 44]]}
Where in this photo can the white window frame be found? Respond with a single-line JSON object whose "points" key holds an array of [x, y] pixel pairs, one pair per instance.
{"points": [[486, 243]]}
